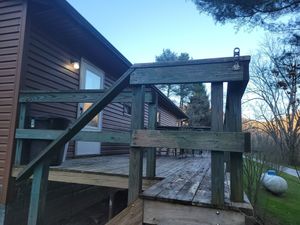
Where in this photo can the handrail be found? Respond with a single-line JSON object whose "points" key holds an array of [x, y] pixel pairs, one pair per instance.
{"points": [[192, 71], [92, 136], [80, 123], [214, 141], [76, 96]]}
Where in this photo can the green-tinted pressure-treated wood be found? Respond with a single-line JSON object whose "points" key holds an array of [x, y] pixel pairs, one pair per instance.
{"points": [[216, 141], [233, 122], [103, 136], [136, 154], [19, 143], [82, 121], [193, 71], [76, 96], [151, 152], [38, 194], [217, 157]]}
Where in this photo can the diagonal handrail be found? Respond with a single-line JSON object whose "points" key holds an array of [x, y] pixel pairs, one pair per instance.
{"points": [[81, 122]]}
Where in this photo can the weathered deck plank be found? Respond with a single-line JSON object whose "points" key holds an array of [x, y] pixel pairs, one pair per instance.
{"points": [[192, 186], [187, 180], [111, 171], [132, 215]]}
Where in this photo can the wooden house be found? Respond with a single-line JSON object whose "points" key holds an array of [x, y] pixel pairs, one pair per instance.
{"points": [[41, 43], [50, 58]]}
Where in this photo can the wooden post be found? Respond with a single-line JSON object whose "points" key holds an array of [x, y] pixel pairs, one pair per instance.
{"points": [[38, 195], [217, 157], [233, 122], [151, 152], [19, 142], [136, 154]]}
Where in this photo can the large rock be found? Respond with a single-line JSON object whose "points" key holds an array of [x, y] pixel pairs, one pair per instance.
{"points": [[275, 184]]}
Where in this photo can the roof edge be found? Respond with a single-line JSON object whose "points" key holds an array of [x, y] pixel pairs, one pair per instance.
{"points": [[76, 16], [177, 111]]}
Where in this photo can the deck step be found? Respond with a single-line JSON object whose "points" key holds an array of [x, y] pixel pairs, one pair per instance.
{"points": [[132, 215], [185, 198], [169, 213]]}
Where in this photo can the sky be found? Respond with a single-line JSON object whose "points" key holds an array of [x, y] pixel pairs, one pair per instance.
{"points": [[140, 30]]}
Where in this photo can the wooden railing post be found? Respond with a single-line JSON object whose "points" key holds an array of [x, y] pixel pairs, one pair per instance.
{"points": [[19, 142], [151, 152], [217, 157], [233, 122], [38, 195], [136, 154]]}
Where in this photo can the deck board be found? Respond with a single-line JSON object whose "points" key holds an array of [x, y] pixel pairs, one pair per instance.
{"points": [[112, 171], [185, 180], [192, 186], [119, 165]]}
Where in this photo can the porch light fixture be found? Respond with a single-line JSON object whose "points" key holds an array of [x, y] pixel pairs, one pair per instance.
{"points": [[75, 65]]}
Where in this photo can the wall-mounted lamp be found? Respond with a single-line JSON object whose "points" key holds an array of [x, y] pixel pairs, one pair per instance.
{"points": [[75, 65]]}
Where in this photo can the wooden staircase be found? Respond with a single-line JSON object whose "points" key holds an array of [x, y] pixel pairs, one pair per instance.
{"points": [[171, 208]]}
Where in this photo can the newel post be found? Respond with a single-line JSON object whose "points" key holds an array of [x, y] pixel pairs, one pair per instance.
{"points": [[136, 154], [38, 195], [217, 157], [151, 152], [233, 123]]}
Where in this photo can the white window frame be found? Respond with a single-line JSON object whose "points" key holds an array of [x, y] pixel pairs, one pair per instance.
{"points": [[86, 65]]}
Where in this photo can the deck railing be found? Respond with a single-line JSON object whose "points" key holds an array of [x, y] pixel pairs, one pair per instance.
{"points": [[225, 134], [70, 96], [234, 71]]}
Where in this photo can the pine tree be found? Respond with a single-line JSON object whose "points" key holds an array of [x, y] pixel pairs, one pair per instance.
{"points": [[198, 108], [166, 56]]}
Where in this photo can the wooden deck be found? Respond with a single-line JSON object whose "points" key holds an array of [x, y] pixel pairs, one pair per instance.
{"points": [[181, 190], [192, 186], [180, 180], [112, 171]]}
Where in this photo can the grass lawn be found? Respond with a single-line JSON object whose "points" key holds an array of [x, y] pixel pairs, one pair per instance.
{"points": [[286, 208]]}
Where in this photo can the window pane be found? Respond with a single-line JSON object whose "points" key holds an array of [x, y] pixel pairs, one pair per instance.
{"points": [[95, 121], [92, 80]]}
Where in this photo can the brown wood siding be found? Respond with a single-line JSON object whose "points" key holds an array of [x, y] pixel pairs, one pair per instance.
{"points": [[167, 118], [12, 23], [114, 119], [48, 68]]}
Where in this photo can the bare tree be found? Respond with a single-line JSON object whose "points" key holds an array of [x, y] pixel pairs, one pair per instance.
{"points": [[274, 92]]}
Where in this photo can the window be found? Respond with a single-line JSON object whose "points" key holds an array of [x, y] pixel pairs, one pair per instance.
{"points": [[158, 115], [126, 109], [92, 78]]}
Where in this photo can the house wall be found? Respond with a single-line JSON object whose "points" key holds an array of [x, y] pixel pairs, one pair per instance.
{"points": [[12, 25], [48, 68], [167, 118]]}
